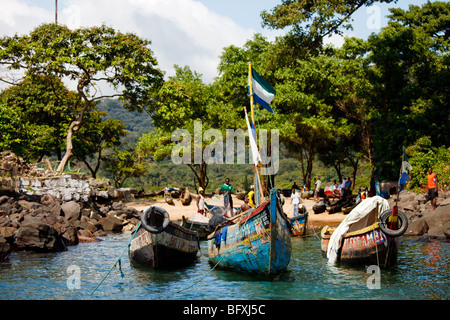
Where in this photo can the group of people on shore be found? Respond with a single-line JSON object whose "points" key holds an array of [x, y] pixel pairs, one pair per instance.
{"points": [[227, 190], [337, 190]]}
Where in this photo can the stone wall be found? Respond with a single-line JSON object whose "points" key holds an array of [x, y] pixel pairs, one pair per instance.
{"points": [[65, 188]]}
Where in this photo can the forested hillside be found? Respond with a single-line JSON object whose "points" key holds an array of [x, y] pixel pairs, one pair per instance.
{"points": [[136, 123]]}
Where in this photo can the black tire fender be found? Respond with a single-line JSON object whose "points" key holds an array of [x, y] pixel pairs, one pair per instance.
{"points": [[145, 217], [384, 220]]}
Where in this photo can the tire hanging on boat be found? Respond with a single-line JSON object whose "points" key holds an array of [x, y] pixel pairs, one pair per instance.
{"points": [[147, 216], [384, 222]]}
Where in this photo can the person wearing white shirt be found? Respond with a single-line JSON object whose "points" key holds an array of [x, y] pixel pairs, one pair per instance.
{"points": [[295, 200], [317, 190]]}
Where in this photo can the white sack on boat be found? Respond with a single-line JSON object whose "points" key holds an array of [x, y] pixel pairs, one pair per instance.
{"points": [[359, 212], [198, 217]]}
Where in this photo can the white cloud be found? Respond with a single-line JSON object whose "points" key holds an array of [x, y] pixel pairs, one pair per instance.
{"points": [[18, 17], [183, 32]]}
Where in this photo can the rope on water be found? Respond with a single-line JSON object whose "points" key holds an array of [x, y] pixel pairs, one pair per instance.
{"points": [[118, 261], [201, 279]]}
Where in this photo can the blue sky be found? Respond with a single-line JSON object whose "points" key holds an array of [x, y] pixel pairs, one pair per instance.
{"points": [[183, 32]]}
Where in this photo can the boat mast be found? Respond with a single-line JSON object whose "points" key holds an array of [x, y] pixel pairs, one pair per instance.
{"points": [[258, 187]]}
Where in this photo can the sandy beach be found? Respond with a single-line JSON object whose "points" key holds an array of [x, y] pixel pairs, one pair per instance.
{"points": [[177, 210]]}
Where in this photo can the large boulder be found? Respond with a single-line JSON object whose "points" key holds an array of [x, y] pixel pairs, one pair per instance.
{"points": [[7, 233], [71, 210], [446, 230], [417, 228], [36, 235], [110, 223]]}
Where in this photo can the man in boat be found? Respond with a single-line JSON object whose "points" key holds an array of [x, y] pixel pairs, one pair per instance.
{"points": [[227, 189], [200, 201], [245, 206], [251, 197], [432, 185]]}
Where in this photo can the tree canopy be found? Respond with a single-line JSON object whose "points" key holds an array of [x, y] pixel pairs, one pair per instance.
{"points": [[87, 57]]}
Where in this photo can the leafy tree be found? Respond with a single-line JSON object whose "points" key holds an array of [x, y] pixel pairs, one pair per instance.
{"points": [[409, 71], [123, 165], [423, 155], [311, 21], [95, 137], [41, 121], [88, 57], [181, 103]]}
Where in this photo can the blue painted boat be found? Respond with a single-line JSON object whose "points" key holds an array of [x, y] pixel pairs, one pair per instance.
{"points": [[258, 241], [299, 225]]}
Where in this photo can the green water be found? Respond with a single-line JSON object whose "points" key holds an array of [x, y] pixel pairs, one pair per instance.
{"points": [[422, 272]]}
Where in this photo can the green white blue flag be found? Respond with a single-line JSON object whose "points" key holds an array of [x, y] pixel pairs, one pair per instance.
{"points": [[263, 92]]}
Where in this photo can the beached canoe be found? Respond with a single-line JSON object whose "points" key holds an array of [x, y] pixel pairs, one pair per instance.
{"points": [[168, 198], [161, 243], [367, 240], [185, 197], [198, 223], [257, 242], [306, 194], [319, 207], [299, 225]]}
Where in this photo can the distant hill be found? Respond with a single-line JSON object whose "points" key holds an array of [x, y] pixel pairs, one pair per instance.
{"points": [[137, 123]]}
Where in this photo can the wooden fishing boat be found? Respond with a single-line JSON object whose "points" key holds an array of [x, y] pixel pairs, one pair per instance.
{"points": [[367, 246], [258, 241], [161, 243], [168, 198], [306, 194], [369, 241], [197, 223], [337, 206], [319, 207], [185, 197], [299, 225], [347, 209]]}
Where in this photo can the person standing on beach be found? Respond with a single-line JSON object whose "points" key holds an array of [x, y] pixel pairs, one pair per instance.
{"points": [[295, 200], [200, 201], [317, 190], [432, 186], [227, 189]]}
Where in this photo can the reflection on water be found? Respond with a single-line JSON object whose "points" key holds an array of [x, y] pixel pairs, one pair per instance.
{"points": [[422, 273]]}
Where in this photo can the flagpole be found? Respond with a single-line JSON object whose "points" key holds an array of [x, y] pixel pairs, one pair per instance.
{"points": [[252, 109], [257, 183], [259, 193]]}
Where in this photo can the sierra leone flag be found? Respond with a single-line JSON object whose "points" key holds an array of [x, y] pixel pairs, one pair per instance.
{"points": [[263, 92]]}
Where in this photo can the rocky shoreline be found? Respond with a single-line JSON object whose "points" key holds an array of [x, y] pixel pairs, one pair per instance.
{"points": [[46, 224], [424, 222]]}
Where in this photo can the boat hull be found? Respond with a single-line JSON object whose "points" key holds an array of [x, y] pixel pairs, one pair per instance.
{"points": [[299, 225], [259, 242], [174, 247], [202, 228], [368, 246]]}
